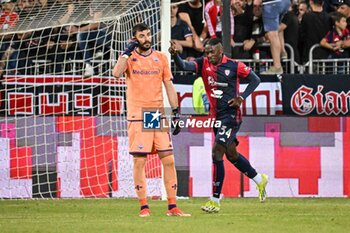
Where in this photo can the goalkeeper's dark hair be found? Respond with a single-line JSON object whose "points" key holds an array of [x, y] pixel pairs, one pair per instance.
{"points": [[213, 41], [139, 28]]}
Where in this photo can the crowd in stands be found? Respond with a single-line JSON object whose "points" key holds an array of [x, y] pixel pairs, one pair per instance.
{"points": [[59, 45], [302, 24]]}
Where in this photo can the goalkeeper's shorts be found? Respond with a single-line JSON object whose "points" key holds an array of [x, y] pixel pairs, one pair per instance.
{"points": [[143, 141]]}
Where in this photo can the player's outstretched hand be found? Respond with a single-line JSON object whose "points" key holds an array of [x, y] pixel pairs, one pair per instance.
{"points": [[175, 118], [133, 43], [235, 102], [172, 49]]}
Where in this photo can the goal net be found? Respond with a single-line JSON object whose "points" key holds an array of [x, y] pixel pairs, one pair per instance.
{"points": [[63, 129]]}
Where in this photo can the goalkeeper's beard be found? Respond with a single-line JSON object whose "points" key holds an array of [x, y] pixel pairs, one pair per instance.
{"points": [[145, 46]]}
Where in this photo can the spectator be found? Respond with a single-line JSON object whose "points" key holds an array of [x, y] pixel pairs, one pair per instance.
{"points": [[273, 11], [329, 6], [243, 13], [257, 34], [38, 44], [335, 38], [302, 9], [213, 13], [8, 21], [344, 8], [192, 14], [289, 33], [97, 33], [8, 15], [314, 26], [238, 6], [181, 34], [28, 10]]}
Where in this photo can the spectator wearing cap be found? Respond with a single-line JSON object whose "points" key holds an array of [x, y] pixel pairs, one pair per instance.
{"points": [[314, 26], [343, 6]]}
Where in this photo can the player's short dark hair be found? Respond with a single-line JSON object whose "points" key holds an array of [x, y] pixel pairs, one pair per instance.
{"points": [[213, 41], [139, 28]]}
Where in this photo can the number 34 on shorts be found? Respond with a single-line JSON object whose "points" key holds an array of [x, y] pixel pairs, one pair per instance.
{"points": [[226, 134]]}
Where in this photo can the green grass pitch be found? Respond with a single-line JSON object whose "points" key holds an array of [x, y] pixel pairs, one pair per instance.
{"points": [[241, 215]]}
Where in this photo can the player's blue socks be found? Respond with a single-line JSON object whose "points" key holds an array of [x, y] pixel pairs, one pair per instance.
{"points": [[144, 207], [244, 166], [218, 177], [171, 206]]}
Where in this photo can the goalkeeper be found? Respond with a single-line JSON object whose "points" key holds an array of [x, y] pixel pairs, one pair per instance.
{"points": [[221, 80], [146, 69]]}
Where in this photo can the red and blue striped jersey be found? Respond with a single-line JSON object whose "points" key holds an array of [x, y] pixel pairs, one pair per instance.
{"points": [[222, 84]]}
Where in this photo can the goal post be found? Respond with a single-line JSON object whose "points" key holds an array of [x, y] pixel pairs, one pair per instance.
{"points": [[63, 131]]}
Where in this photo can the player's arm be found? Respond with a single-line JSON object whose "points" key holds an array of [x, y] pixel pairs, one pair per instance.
{"points": [[122, 62], [171, 93], [120, 67], [254, 82], [183, 65], [172, 96]]}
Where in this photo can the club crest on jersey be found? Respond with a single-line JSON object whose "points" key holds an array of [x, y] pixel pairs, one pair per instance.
{"points": [[134, 59], [227, 72], [156, 59]]}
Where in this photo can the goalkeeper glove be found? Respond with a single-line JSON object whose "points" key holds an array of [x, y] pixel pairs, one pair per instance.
{"points": [[130, 47], [175, 118]]}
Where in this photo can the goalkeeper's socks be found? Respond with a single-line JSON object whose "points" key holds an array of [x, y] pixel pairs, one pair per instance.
{"points": [[171, 203], [143, 203], [218, 177], [244, 166]]}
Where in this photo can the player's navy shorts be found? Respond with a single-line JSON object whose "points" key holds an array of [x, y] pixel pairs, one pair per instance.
{"points": [[226, 134]]}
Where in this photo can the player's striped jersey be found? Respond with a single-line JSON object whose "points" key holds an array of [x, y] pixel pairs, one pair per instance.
{"points": [[144, 77], [222, 84]]}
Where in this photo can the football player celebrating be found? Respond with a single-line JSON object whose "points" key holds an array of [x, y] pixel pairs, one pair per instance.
{"points": [[221, 80]]}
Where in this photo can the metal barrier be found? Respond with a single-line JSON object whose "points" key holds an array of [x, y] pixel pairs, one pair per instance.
{"points": [[263, 64], [258, 65], [104, 67], [327, 66], [70, 67]]}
